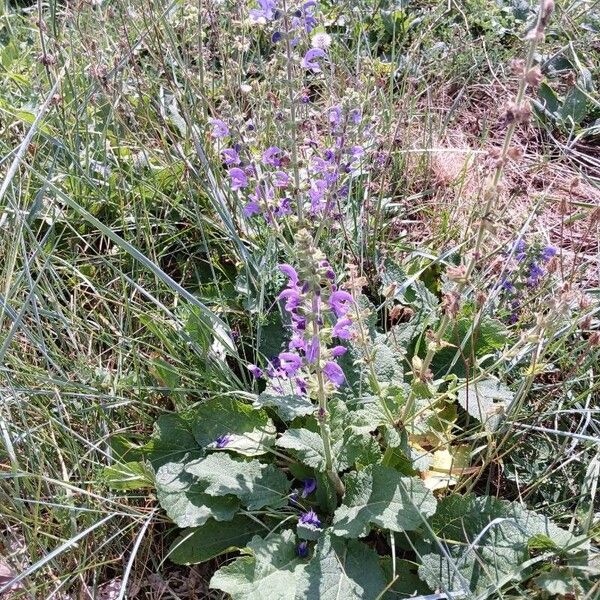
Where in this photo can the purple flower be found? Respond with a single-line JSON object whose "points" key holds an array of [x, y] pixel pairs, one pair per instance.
{"points": [[222, 441], [519, 249], [302, 387], [335, 115], [281, 179], [284, 208], [312, 351], [316, 194], [342, 329], [505, 284], [309, 486], [289, 363], [535, 273], [292, 299], [297, 343], [252, 208], [219, 128], [266, 11], [548, 252], [310, 518], [340, 303], [238, 178], [356, 115], [256, 371], [290, 272], [338, 351], [302, 549], [272, 156], [276, 36], [334, 373], [230, 156], [309, 59]]}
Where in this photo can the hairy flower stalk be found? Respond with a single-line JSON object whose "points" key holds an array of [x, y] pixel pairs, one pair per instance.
{"points": [[318, 312], [518, 112]]}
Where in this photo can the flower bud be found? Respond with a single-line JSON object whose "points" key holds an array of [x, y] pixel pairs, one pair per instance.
{"points": [[534, 77]]}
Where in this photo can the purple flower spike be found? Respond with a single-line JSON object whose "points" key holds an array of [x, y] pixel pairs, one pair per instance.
{"points": [[535, 273], [290, 272], [272, 156], [289, 363], [548, 252], [520, 250], [256, 371], [230, 156], [309, 486], [310, 58], [222, 441], [340, 303], [338, 351], [302, 549], [219, 128], [238, 178], [342, 329], [310, 518], [334, 373]]}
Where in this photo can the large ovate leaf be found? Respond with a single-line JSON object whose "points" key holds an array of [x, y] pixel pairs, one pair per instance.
{"points": [[488, 541], [379, 496], [485, 400], [256, 484], [173, 439], [341, 569], [269, 572], [248, 431], [185, 501], [288, 406], [306, 446], [200, 544]]}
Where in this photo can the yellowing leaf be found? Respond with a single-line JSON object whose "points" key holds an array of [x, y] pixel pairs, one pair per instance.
{"points": [[446, 467]]}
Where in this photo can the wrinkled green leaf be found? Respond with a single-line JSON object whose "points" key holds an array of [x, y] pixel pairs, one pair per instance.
{"points": [[306, 446], [379, 496], [288, 406], [200, 544], [256, 484], [250, 431], [341, 569], [173, 439], [270, 572], [185, 501]]}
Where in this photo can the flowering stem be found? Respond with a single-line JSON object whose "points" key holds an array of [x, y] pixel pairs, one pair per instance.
{"points": [[323, 415], [290, 86]]}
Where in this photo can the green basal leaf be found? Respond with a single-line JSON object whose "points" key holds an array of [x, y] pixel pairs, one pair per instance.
{"points": [[270, 571], [486, 401], [173, 439], [379, 496], [185, 501], [249, 431], [306, 446], [200, 544], [256, 484], [339, 569], [407, 582], [128, 476], [288, 406], [488, 541]]}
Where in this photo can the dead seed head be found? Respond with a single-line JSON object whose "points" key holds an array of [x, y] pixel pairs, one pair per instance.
{"points": [[534, 77]]}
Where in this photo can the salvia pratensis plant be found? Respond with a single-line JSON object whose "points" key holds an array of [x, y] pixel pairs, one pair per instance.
{"points": [[355, 463]]}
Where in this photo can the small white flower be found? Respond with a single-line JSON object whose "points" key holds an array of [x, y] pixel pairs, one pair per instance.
{"points": [[321, 40], [245, 88]]}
